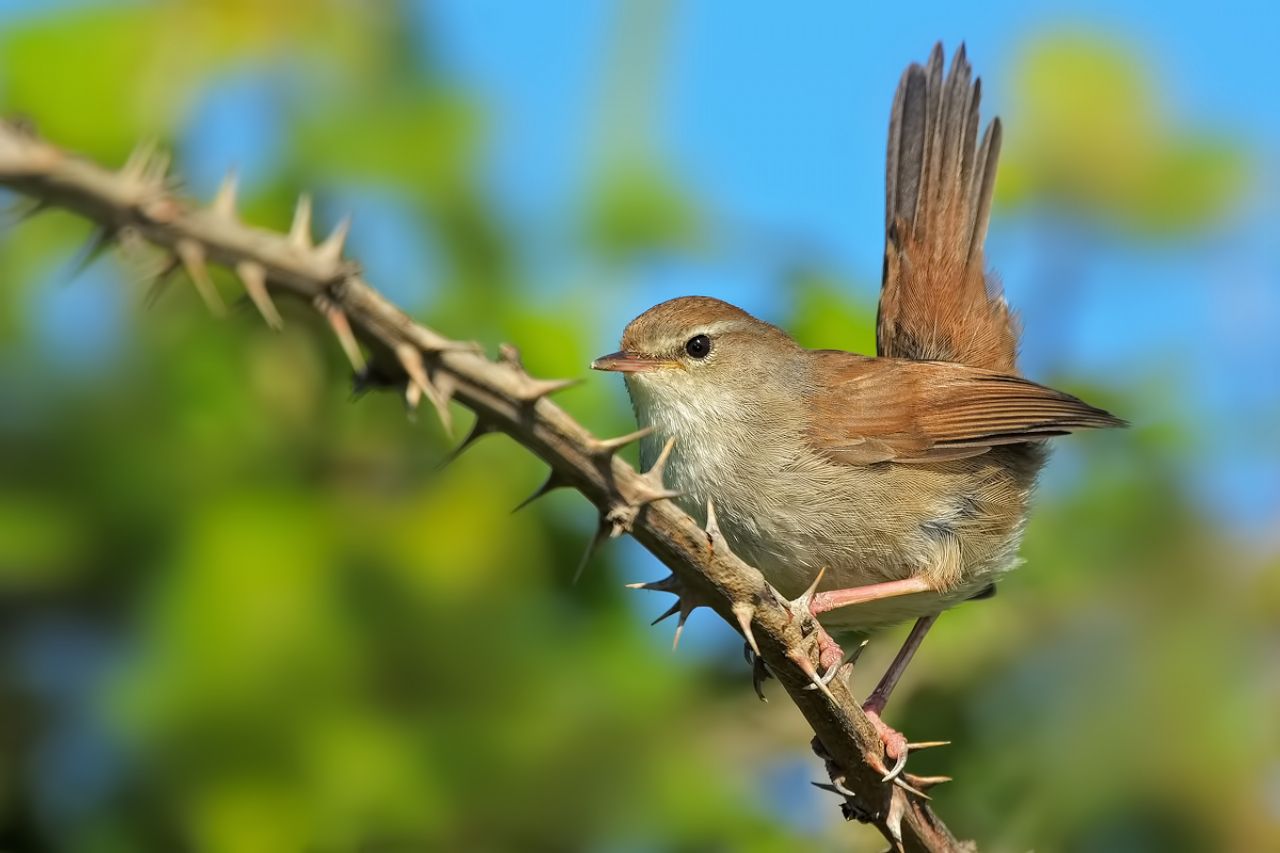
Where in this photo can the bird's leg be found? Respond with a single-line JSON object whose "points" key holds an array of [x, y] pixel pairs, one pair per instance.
{"points": [[895, 745], [833, 599], [815, 603]]}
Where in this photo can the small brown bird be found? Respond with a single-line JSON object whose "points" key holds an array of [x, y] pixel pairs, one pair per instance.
{"points": [[906, 476]]}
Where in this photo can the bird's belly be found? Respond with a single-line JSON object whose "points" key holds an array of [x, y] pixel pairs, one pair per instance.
{"points": [[959, 527], [790, 561]]}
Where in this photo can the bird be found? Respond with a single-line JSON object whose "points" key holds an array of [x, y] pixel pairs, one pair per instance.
{"points": [[892, 486]]}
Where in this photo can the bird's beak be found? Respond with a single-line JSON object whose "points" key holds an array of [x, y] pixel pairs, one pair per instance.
{"points": [[632, 362]]}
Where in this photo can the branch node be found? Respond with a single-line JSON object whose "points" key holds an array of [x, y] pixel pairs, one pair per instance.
{"points": [[510, 354]]}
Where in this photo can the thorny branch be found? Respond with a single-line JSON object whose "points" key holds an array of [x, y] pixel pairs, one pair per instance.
{"points": [[138, 200]]}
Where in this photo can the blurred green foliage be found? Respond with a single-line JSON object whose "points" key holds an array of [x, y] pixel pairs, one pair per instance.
{"points": [[242, 614], [1088, 132]]}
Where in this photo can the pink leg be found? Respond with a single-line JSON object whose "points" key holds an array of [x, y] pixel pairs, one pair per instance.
{"points": [[837, 598], [830, 655], [895, 745]]}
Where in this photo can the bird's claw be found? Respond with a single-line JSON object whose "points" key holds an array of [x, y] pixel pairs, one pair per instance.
{"points": [[897, 748]]}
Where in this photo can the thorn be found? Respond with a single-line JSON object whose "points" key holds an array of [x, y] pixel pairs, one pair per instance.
{"points": [[893, 820], [925, 782], [852, 657], [713, 525], [136, 165], [813, 587], [480, 428], [805, 599], [653, 489], [684, 604], [606, 447], [254, 276], [672, 611], [346, 338], [156, 170], [801, 659], [601, 534], [330, 251], [554, 481], [224, 201], [744, 612], [99, 241], [191, 254], [684, 617], [535, 389], [412, 397], [897, 780], [411, 360], [668, 584], [659, 465], [300, 230], [160, 281], [19, 215], [445, 385], [927, 744]]}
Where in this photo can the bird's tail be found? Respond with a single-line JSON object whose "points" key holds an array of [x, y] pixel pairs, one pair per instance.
{"points": [[935, 301]]}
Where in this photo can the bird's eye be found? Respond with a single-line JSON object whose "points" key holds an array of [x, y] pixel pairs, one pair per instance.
{"points": [[699, 346]]}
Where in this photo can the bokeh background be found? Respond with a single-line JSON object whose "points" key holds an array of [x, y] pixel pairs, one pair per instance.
{"points": [[239, 612]]}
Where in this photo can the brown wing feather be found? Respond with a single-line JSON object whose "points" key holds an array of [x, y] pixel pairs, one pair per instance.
{"points": [[935, 303], [898, 410]]}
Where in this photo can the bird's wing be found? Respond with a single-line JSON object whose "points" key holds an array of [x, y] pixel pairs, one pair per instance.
{"points": [[868, 410]]}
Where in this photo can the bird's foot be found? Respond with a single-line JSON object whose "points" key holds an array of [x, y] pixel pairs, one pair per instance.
{"points": [[896, 750]]}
